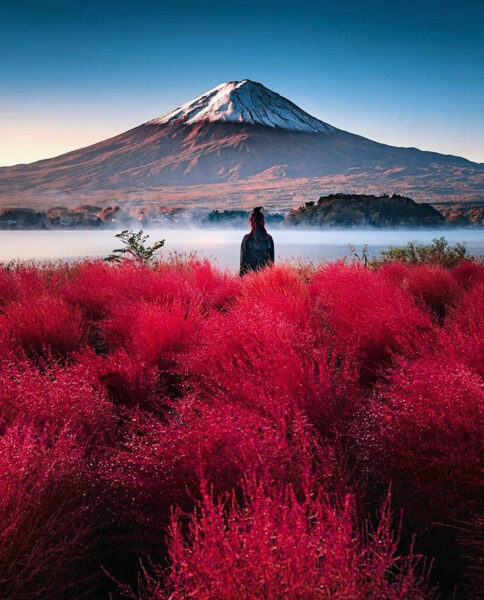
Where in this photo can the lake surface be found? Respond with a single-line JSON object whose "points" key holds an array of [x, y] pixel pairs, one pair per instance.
{"points": [[223, 245]]}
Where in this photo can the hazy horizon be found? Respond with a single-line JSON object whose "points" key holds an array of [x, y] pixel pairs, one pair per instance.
{"points": [[223, 245]]}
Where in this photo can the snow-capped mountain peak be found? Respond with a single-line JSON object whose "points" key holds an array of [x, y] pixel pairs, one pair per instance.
{"points": [[245, 101]]}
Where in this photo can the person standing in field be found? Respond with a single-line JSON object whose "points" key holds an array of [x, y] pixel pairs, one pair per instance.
{"points": [[257, 249]]}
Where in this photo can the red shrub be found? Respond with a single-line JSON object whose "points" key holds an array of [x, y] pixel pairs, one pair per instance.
{"points": [[424, 434], [194, 373], [150, 331], [159, 464], [8, 287], [126, 380], [24, 281], [268, 362], [94, 286], [461, 339], [280, 289], [216, 289], [468, 272], [46, 516], [44, 325], [97, 287], [277, 545], [361, 311], [432, 286], [54, 398]]}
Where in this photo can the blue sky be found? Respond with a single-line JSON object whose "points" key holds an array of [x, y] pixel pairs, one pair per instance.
{"points": [[402, 72]]}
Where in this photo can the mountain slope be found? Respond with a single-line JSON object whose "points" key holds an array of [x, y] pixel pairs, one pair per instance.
{"points": [[234, 133]]}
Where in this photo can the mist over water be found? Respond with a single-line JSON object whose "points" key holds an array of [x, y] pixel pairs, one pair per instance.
{"points": [[223, 245]]}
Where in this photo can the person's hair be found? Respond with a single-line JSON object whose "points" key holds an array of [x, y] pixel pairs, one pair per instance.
{"points": [[257, 221]]}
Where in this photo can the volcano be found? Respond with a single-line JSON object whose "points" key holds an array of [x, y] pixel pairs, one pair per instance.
{"points": [[236, 143]]}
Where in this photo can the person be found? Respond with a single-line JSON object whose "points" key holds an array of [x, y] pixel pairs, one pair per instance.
{"points": [[257, 249]]}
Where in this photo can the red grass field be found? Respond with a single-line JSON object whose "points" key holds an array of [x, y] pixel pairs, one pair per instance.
{"points": [[175, 432]]}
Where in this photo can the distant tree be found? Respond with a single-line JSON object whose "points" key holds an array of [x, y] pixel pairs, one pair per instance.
{"points": [[363, 210]]}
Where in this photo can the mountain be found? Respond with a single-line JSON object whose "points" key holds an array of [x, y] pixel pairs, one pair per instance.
{"points": [[244, 102], [236, 143]]}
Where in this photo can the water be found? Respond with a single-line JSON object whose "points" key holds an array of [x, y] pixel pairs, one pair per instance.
{"points": [[223, 245]]}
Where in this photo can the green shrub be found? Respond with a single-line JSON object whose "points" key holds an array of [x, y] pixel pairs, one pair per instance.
{"points": [[415, 253]]}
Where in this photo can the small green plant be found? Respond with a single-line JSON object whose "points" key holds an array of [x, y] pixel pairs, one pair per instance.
{"points": [[9, 266], [415, 253], [363, 258], [134, 248]]}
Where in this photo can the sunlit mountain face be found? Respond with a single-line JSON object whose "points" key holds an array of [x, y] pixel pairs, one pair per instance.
{"points": [[237, 142]]}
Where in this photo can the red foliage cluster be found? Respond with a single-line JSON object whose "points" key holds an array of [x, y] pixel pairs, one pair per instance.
{"points": [[423, 430], [42, 325], [363, 312], [275, 411], [276, 545], [47, 518]]}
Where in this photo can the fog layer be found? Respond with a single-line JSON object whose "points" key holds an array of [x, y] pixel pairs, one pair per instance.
{"points": [[223, 244]]}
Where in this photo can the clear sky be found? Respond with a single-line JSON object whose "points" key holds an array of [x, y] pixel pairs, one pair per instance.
{"points": [[408, 73]]}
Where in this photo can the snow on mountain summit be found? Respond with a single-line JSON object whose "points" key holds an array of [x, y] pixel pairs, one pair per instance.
{"points": [[245, 102]]}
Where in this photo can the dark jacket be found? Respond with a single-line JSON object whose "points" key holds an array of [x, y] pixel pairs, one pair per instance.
{"points": [[256, 252]]}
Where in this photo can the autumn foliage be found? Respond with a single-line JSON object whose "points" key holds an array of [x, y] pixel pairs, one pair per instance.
{"points": [[174, 431]]}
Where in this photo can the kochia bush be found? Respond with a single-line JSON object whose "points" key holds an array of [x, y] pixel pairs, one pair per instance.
{"points": [[276, 545], [235, 434]]}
